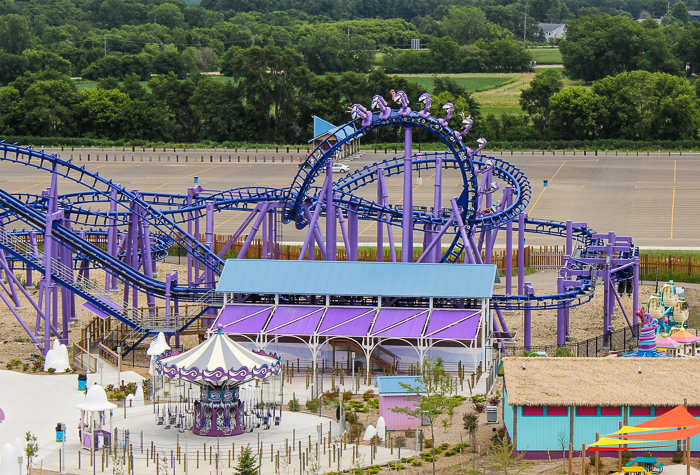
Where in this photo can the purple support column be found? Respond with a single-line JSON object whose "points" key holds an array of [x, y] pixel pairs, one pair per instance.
{"points": [[343, 229], [487, 234], [389, 227], [509, 249], [168, 285], [380, 224], [569, 237], [331, 225], [263, 249], [353, 226], [436, 239], [112, 240], [32, 244], [521, 252], [190, 218], [635, 291], [605, 273], [527, 317], [253, 231], [209, 230], [561, 324], [437, 204], [407, 221]]}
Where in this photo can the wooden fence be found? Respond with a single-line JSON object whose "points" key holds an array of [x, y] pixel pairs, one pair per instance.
{"points": [[668, 266]]}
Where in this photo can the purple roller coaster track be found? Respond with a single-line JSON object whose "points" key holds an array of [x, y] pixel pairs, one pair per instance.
{"points": [[106, 227]]}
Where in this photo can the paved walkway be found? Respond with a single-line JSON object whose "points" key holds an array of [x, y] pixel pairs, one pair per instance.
{"points": [[37, 403]]}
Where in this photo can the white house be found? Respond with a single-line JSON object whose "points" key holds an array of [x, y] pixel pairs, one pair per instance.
{"points": [[553, 31]]}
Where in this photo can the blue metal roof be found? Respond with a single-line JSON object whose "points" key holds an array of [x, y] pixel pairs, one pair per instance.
{"points": [[384, 279], [321, 126], [341, 131], [389, 385]]}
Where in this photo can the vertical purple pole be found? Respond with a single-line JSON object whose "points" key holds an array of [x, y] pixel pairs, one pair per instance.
{"points": [[253, 231], [407, 221], [509, 249], [353, 226], [527, 317], [521, 252], [263, 248], [437, 204], [190, 217], [487, 235], [32, 244], [569, 237], [168, 284], [209, 230], [331, 216], [635, 291], [380, 224], [561, 324]]}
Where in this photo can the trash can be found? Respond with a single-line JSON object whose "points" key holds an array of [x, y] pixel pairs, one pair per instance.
{"points": [[82, 382], [60, 432], [491, 414]]}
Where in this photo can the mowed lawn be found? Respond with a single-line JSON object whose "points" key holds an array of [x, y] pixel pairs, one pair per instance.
{"points": [[472, 82], [546, 55]]}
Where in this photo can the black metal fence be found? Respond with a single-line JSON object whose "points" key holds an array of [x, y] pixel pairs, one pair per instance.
{"points": [[625, 339]]}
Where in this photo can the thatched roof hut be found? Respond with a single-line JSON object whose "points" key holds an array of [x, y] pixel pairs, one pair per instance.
{"points": [[602, 381]]}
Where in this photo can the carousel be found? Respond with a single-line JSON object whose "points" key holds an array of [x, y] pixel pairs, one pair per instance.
{"points": [[223, 369]]}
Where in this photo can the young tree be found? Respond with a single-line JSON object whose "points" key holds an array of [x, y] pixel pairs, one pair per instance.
{"points": [[433, 388], [31, 449], [502, 458], [247, 465], [471, 425]]}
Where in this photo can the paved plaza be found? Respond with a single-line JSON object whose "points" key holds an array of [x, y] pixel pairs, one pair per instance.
{"points": [[653, 198]]}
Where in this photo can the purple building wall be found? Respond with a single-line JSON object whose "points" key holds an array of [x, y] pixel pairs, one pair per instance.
{"points": [[397, 420]]}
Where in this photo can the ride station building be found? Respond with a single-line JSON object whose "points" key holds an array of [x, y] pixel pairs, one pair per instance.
{"points": [[378, 316]]}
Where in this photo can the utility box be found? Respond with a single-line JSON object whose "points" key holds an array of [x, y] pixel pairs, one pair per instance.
{"points": [[491, 414], [82, 382], [60, 432]]}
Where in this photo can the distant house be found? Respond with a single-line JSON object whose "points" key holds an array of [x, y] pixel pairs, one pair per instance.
{"points": [[547, 400], [657, 20], [553, 31], [694, 15]]}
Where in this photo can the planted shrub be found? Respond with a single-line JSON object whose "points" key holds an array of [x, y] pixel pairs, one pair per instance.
{"points": [[369, 394]]}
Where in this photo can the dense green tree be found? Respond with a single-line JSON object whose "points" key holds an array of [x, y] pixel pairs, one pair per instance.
{"points": [[576, 114], [167, 14], [688, 47], [173, 97], [12, 66], [535, 98], [15, 34], [108, 66], [467, 24], [275, 82], [49, 108], [216, 108], [553, 11], [680, 12], [600, 45], [642, 105], [507, 55]]}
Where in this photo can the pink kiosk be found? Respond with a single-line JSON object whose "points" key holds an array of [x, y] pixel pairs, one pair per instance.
{"points": [[93, 419]]}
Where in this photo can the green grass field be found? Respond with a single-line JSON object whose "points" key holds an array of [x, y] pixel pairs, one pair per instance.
{"points": [[546, 55], [471, 84]]}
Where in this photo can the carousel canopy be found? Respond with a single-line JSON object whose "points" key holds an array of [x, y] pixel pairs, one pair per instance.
{"points": [[217, 360]]}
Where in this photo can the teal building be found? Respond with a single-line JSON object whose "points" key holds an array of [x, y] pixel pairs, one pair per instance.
{"points": [[549, 402]]}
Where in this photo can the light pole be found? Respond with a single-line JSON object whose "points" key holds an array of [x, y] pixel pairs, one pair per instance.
{"points": [[119, 365], [63, 448], [353, 371], [20, 459]]}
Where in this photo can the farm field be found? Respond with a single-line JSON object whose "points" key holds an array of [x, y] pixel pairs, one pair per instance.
{"points": [[471, 82], [546, 55]]}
